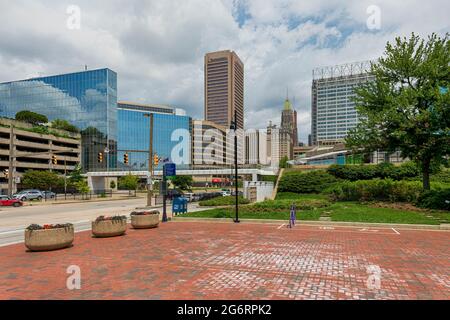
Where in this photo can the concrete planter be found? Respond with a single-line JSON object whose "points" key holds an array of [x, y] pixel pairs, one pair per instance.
{"points": [[146, 221], [49, 239], [109, 228]]}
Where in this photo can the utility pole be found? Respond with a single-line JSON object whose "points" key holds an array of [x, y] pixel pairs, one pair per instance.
{"points": [[11, 161], [150, 162], [234, 126]]}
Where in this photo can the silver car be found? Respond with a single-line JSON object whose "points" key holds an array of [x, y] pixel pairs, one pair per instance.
{"points": [[29, 195]]}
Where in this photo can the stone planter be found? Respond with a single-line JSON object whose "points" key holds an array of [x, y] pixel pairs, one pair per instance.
{"points": [[146, 221], [49, 239], [109, 228]]}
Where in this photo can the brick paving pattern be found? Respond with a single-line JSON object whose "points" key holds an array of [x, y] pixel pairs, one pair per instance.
{"points": [[186, 260]]}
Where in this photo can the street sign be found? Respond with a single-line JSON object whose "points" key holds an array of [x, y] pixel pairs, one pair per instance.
{"points": [[170, 169]]}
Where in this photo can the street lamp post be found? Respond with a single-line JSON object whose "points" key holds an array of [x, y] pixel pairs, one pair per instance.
{"points": [[150, 162], [234, 127]]}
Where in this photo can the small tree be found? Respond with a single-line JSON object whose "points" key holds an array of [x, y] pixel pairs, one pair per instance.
{"points": [[128, 182], [82, 187], [42, 180], [76, 175], [112, 184], [182, 182], [284, 162], [31, 117], [406, 107]]}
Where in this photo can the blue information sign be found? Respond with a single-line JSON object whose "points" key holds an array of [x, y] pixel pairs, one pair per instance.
{"points": [[170, 170]]}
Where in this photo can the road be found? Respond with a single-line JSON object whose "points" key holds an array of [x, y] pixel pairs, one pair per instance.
{"points": [[14, 220]]}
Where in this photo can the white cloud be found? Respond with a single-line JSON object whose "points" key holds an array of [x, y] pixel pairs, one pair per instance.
{"points": [[157, 47]]}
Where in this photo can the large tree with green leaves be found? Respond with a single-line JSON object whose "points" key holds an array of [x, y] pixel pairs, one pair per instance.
{"points": [[407, 105], [42, 180], [128, 182], [182, 182]]}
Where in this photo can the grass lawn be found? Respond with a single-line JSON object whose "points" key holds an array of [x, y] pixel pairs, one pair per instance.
{"points": [[338, 211], [355, 212], [243, 214]]}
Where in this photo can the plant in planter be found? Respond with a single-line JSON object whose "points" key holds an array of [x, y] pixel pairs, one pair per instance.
{"points": [[49, 236], [104, 227], [145, 219]]}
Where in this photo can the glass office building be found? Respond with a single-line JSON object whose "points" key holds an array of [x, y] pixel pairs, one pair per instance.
{"points": [[333, 112], [171, 136], [86, 99]]}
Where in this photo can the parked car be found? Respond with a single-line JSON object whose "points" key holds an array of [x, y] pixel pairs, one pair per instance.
{"points": [[25, 195], [173, 193], [225, 193], [49, 194], [240, 193], [6, 201]]}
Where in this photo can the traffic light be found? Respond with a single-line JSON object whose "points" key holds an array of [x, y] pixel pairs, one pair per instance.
{"points": [[155, 160], [100, 157], [126, 158], [54, 160], [6, 172]]}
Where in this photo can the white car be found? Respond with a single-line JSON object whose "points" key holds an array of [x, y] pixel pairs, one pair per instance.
{"points": [[29, 195], [226, 193]]}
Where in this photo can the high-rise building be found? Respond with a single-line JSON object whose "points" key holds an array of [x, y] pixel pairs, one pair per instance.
{"points": [[224, 88], [333, 112], [171, 135], [288, 130], [86, 99]]}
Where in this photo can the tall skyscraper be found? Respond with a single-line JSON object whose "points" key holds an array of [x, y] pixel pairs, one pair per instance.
{"points": [[289, 131], [333, 112], [224, 88]]}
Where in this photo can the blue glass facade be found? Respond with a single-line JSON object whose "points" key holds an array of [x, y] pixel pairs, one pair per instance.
{"points": [[86, 99], [169, 139]]}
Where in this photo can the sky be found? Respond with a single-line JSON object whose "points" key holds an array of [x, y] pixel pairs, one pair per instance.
{"points": [[157, 47]]}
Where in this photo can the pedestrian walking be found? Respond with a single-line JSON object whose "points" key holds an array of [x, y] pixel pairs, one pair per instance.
{"points": [[292, 216]]}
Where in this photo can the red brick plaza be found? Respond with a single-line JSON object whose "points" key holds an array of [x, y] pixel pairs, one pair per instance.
{"points": [[187, 260]]}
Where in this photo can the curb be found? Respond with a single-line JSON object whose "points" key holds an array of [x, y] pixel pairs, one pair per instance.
{"points": [[444, 227]]}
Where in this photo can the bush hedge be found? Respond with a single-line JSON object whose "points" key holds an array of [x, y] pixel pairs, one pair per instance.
{"points": [[368, 172], [305, 182], [223, 201], [435, 199], [376, 189]]}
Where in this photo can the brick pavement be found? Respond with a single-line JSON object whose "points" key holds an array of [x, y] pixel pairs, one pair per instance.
{"points": [[187, 260]]}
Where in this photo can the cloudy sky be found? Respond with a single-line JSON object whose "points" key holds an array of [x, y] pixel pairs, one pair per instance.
{"points": [[157, 46]]}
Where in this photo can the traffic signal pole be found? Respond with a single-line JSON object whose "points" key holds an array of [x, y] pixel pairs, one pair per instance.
{"points": [[150, 164], [11, 161]]}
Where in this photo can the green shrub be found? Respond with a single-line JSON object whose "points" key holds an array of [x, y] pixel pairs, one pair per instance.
{"points": [[367, 172], [223, 201], [31, 117], [307, 182], [435, 199], [375, 190]]}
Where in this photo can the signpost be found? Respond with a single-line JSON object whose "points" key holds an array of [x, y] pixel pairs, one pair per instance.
{"points": [[169, 170]]}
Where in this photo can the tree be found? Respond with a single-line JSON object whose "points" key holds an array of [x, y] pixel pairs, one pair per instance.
{"points": [[64, 125], [284, 162], [42, 180], [406, 107], [128, 182], [31, 117], [182, 182], [82, 186], [76, 175]]}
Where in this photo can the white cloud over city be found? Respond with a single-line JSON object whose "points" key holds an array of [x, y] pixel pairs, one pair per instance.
{"points": [[157, 47]]}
